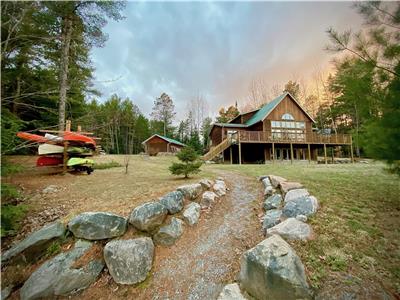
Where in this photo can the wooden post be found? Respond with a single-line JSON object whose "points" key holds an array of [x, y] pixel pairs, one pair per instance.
{"points": [[65, 157], [230, 151], [351, 152], [79, 128], [291, 153], [325, 158], [309, 153], [240, 153], [273, 152], [223, 156], [333, 155], [68, 125]]}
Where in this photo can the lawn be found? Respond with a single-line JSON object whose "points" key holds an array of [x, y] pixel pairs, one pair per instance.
{"points": [[358, 225]]}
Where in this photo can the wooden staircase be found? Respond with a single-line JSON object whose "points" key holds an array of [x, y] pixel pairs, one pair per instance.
{"points": [[214, 151]]}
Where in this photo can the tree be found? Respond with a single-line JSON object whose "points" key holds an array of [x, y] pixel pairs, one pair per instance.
{"points": [[205, 131], [229, 114], [190, 163], [164, 111], [293, 88]]}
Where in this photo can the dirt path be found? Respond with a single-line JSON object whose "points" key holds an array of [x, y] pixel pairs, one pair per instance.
{"points": [[206, 258]]}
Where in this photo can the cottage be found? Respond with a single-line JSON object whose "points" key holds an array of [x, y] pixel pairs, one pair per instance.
{"points": [[280, 130], [158, 143]]}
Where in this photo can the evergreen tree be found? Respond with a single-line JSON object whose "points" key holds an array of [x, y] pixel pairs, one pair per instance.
{"points": [[190, 163], [293, 88]]}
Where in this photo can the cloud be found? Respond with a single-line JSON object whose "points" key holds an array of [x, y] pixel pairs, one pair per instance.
{"points": [[213, 48]]}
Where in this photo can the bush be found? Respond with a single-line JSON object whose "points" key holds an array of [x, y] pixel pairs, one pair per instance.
{"points": [[11, 215], [190, 163], [8, 192]]}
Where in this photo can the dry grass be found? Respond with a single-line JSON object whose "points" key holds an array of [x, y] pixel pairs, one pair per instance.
{"points": [[357, 228]]}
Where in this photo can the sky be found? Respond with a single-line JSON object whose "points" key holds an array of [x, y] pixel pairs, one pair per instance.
{"points": [[214, 49]]}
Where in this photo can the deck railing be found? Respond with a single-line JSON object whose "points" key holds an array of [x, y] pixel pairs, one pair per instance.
{"points": [[293, 137]]}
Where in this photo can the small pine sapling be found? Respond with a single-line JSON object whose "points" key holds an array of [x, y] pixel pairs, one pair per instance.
{"points": [[189, 164]]}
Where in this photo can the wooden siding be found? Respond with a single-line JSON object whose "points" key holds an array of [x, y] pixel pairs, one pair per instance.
{"points": [[156, 145]]}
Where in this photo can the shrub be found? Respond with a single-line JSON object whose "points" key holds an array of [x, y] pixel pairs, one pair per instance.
{"points": [[11, 215], [190, 163], [8, 192]]}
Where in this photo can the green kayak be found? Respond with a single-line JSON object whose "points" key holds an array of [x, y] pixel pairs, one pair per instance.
{"points": [[76, 161]]}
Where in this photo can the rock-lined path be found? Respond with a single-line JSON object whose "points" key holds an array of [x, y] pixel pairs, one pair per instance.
{"points": [[207, 256]]}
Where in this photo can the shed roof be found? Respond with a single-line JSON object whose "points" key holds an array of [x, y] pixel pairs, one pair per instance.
{"points": [[167, 139]]}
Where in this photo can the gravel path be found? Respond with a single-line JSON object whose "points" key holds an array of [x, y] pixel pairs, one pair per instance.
{"points": [[208, 255]]}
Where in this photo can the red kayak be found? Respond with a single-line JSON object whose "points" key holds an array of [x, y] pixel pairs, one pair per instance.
{"points": [[32, 137], [70, 136], [43, 161], [76, 137]]}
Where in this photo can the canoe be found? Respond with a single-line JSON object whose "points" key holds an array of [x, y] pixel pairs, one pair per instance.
{"points": [[43, 161], [32, 137], [76, 161], [44, 149]]}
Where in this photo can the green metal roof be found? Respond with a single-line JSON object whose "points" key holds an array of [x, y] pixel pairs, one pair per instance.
{"points": [[169, 140], [264, 111], [230, 125]]}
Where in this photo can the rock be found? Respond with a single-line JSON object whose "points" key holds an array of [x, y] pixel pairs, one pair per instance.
{"points": [[301, 218], [97, 225], [50, 189], [220, 178], [148, 216], [273, 202], [173, 202], [168, 234], [272, 218], [231, 292], [266, 182], [6, 292], [292, 229], [286, 186], [262, 177], [32, 246], [272, 270], [59, 276], [268, 191], [207, 199], [191, 191], [206, 184], [276, 180], [297, 193], [220, 188], [301, 206], [129, 261], [192, 213]]}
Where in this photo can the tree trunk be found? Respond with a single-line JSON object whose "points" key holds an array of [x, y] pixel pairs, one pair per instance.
{"points": [[65, 47]]}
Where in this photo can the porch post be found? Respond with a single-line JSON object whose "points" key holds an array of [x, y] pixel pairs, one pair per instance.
{"points": [[351, 151], [273, 152], [240, 153], [291, 153], [230, 151], [309, 153], [325, 158], [223, 156]]}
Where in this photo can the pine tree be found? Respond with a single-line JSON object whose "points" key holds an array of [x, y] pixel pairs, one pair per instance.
{"points": [[190, 163]]}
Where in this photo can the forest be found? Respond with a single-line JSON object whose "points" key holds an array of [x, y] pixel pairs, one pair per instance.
{"points": [[47, 77]]}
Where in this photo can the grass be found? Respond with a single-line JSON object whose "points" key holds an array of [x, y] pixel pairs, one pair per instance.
{"points": [[357, 227], [11, 215]]}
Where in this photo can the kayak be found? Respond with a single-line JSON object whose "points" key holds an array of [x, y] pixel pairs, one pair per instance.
{"points": [[44, 149], [76, 137], [76, 161], [43, 161], [53, 138], [66, 136], [32, 137]]}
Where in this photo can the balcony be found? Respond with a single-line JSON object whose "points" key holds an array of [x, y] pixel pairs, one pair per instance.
{"points": [[291, 136]]}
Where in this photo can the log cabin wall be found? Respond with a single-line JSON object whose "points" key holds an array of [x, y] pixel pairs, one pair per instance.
{"points": [[156, 145], [216, 135]]}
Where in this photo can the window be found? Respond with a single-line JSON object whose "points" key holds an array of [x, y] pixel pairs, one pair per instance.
{"points": [[287, 117]]}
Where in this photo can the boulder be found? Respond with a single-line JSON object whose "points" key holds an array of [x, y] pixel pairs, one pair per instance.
{"points": [[301, 218], [34, 244], [294, 194], [301, 206], [191, 191], [272, 270], [192, 213], [219, 188], [286, 186], [206, 184], [207, 199], [276, 180], [97, 225], [272, 218], [173, 202], [266, 182], [268, 191], [262, 177], [273, 202], [148, 216], [168, 234], [5, 292], [129, 261], [231, 292], [292, 229], [59, 275]]}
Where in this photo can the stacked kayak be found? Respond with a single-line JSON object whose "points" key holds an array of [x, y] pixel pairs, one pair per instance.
{"points": [[52, 149]]}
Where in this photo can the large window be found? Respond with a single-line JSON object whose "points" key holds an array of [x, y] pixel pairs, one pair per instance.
{"points": [[288, 129]]}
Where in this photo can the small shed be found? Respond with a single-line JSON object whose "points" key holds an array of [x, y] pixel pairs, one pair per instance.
{"points": [[158, 143]]}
